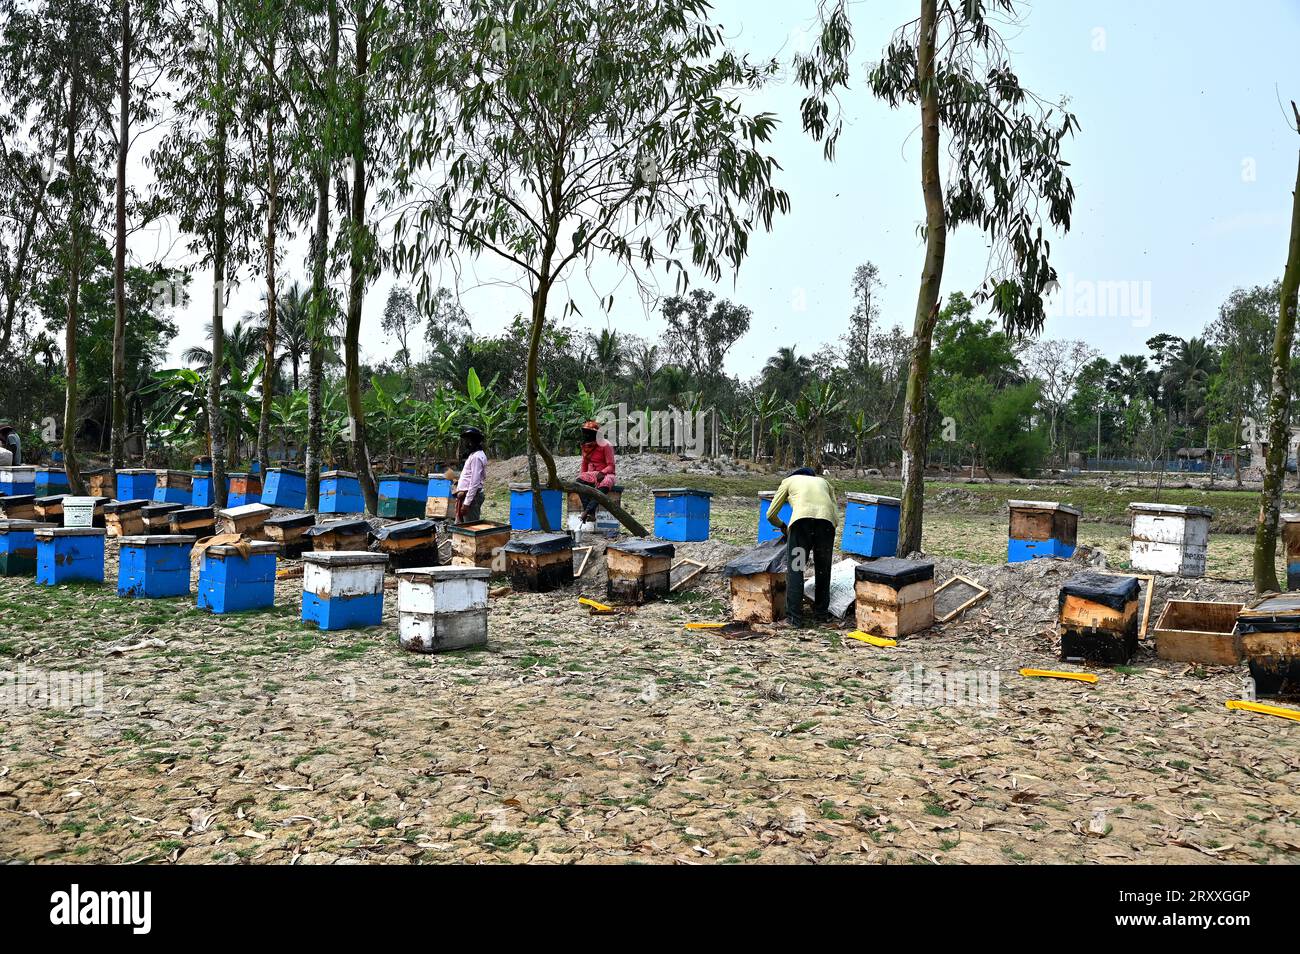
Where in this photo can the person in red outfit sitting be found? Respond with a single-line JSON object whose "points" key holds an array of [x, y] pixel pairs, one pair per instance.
{"points": [[597, 468]]}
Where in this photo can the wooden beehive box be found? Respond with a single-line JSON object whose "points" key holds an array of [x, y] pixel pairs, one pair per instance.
{"points": [[540, 562], [638, 570], [157, 517], [50, 509], [1289, 523], [1040, 528], [290, 531], [340, 535], [194, 521], [442, 608], [1193, 631], [100, 483], [247, 520], [1098, 618], [409, 543], [440, 502], [18, 507], [475, 544], [894, 597], [1166, 538], [1270, 640], [757, 579], [125, 518]]}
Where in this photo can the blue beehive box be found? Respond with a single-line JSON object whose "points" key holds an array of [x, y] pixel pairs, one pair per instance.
{"points": [[1039, 528], [135, 484], [522, 515], [203, 465], [232, 582], [243, 489], [173, 486], [18, 547], [1289, 526], [340, 492], [64, 554], [765, 530], [682, 514], [285, 487], [49, 481], [17, 481], [343, 589], [440, 497], [870, 525], [155, 566], [402, 496]]}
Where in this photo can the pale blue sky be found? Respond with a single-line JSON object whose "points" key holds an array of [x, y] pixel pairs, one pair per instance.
{"points": [[1183, 171]]}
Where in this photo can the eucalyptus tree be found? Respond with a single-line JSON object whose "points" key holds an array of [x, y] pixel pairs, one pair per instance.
{"points": [[24, 212], [56, 78], [558, 133], [1006, 174]]}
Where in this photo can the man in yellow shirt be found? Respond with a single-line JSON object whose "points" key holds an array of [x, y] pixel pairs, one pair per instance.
{"points": [[810, 535]]}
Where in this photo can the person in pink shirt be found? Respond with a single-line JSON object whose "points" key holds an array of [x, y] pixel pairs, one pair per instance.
{"points": [[469, 489], [597, 467]]}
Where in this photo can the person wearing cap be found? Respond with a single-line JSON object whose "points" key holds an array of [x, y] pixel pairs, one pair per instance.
{"points": [[9, 441], [469, 489], [597, 467], [810, 535]]}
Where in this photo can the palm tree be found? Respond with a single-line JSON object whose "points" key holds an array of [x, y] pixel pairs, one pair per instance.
{"points": [[608, 355], [242, 346], [642, 366], [786, 373], [1189, 373], [291, 328]]}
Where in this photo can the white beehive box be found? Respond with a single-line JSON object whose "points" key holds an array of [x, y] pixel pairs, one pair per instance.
{"points": [[1169, 539], [79, 511], [441, 608]]}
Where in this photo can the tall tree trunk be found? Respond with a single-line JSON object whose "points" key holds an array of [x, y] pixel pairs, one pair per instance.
{"points": [[117, 447], [215, 371], [915, 434], [357, 256], [272, 295], [18, 277], [1279, 407], [318, 323], [74, 285]]}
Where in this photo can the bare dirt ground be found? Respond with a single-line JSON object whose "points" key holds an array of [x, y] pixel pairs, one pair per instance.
{"points": [[579, 738]]}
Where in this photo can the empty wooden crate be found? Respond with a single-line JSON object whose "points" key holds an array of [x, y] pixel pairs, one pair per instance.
{"points": [[1199, 632], [894, 597], [475, 544], [638, 570], [540, 562], [1098, 618]]}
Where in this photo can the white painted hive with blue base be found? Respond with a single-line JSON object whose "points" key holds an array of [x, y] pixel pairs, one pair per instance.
{"points": [[442, 608]]}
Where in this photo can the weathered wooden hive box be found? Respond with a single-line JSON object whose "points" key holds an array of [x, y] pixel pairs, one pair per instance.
{"points": [[1098, 618], [48, 481], [248, 520], [1290, 526], [173, 486], [134, 483], [18, 507], [125, 518], [638, 570], [343, 589], [442, 608], [101, 482], [155, 566], [409, 543], [340, 492], [540, 562], [285, 487], [1041, 528], [477, 544], [894, 597], [765, 529], [18, 546], [757, 580], [237, 578], [440, 500], [157, 516], [193, 521], [339, 535], [18, 481], [576, 505], [1166, 538], [682, 514], [402, 496], [244, 489], [524, 517], [289, 530], [1270, 640], [1199, 632], [65, 554], [870, 525], [50, 509]]}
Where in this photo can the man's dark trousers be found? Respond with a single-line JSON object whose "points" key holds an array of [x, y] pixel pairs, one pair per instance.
{"points": [[813, 540]]}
